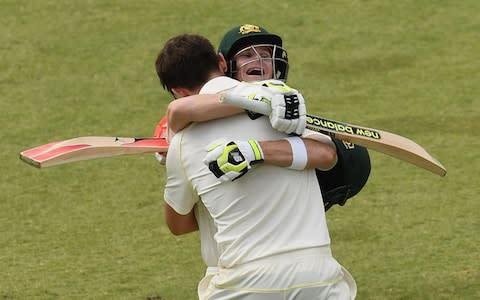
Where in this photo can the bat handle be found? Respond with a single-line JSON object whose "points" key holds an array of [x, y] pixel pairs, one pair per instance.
{"points": [[244, 102]]}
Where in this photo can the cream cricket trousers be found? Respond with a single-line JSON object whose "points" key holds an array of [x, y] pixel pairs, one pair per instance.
{"points": [[304, 274]]}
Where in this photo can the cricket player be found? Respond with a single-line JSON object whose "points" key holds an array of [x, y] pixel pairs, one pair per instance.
{"points": [[272, 237], [253, 54], [244, 50]]}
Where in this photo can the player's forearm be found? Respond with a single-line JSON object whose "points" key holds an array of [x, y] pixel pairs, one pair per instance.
{"points": [[321, 154], [198, 108]]}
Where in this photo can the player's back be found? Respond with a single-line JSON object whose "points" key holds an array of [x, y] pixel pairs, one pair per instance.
{"points": [[268, 211]]}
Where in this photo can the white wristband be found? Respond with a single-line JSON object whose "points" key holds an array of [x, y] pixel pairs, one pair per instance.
{"points": [[299, 153]]}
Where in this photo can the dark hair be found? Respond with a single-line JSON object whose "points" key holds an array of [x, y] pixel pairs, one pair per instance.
{"points": [[186, 61]]}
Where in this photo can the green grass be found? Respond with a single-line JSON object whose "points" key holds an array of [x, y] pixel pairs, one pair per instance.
{"points": [[95, 230]]}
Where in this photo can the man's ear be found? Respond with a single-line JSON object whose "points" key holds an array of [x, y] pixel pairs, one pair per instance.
{"points": [[181, 92], [222, 63]]}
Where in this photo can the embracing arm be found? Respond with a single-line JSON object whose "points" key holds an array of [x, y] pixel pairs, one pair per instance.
{"points": [[229, 161], [321, 152], [179, 197], [197, 108], [204, 107]]}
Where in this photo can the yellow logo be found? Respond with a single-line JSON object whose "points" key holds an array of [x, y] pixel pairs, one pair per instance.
{"points": [[247, 28], [348, 145]]}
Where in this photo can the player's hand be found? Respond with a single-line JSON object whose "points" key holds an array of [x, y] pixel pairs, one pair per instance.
{"points": [[288, 110], [289, 113], [229, 161]]}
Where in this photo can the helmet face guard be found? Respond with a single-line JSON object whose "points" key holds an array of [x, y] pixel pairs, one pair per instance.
{"points": [[245, 36], [273, 65]]}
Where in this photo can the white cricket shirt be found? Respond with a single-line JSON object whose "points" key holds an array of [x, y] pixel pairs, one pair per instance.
{"points": [[268, 211]]}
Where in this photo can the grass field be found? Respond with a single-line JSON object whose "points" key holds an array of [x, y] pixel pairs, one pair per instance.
{"points": [[95, 230]]}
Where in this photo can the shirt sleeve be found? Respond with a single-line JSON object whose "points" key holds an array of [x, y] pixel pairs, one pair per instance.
{"points": [[179, 193]]}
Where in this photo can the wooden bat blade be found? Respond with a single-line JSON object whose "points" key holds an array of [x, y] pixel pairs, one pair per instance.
{"points": [[382, 141], [90, 147]]}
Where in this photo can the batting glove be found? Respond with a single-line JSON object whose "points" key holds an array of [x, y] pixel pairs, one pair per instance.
{"points": [[229, 161], [288, 110], [254, 91], [289, 113]]}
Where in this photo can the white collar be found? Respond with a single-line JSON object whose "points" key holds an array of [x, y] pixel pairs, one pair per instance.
{"points": [[218, 84]]}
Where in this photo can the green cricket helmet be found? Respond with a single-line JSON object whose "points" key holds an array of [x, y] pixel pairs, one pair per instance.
{"points": [[241, 37]]}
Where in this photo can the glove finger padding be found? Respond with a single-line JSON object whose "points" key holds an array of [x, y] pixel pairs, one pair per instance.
{"points": [[292, 127], [230, 161], [214, 150], [288, 113], [277, 122], [302, 120], [226, 161], [302, 124], [298, 125]]}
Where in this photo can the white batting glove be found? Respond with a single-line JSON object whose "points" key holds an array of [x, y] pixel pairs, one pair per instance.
{"points": [[254, 91], [289, 113], [229, 161], [288, 110]]}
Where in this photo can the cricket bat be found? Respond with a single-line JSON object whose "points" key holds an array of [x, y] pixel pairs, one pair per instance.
{"points": [[90, 147], [379, 140]]}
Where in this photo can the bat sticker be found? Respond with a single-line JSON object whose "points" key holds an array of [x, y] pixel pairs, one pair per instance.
{"points": [[342, 127]]}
